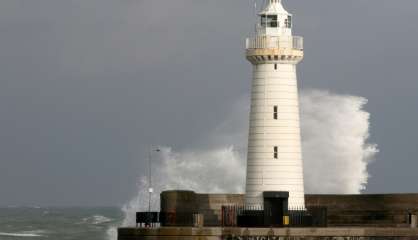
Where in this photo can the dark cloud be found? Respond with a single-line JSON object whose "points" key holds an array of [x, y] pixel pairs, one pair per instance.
{"points": [[86, 86]]}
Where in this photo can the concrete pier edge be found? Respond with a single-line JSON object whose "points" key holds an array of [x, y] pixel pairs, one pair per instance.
{"points": [[139, 233]]}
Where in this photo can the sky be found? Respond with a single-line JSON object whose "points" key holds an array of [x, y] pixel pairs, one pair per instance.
{"points": [[86, 86]]}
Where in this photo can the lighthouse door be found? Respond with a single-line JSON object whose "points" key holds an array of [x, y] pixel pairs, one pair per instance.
{"points": [[275, 207]]}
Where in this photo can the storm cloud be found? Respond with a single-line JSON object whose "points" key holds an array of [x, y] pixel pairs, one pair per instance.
{"points": [[86, 86]]}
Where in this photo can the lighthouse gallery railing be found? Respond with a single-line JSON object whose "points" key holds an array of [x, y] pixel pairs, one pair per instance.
{"points": [[269, 42]]}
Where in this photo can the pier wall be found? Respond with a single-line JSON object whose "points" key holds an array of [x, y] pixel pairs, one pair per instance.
{"points": [[267, 234], [372, 210], [381, 210]]}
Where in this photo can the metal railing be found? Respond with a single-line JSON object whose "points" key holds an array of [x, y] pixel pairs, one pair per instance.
{"points": [[168, 219], [269, 42], [239, 216], [243, 216]]}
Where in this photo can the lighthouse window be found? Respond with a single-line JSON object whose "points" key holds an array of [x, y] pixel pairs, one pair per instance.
{"points": [[275, 112], [276, 152], [288, 22], [275, 66], [269, 21]]}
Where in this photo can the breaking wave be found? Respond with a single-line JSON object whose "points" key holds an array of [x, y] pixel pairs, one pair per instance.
{"points": [[97, 219], [335, 134], [37, 233]]}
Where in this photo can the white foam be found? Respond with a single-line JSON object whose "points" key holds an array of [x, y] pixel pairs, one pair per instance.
{"points": [[335, 134], [112, 233], [97, 219], [36, 233]]}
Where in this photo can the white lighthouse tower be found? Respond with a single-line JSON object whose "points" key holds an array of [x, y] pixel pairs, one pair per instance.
{"points": [[274, 160]]}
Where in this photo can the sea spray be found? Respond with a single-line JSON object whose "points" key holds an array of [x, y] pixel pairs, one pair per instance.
{"points": [[335, 131], [213, 171]]}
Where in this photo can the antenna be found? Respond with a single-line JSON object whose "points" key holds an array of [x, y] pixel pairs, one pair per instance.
{"points": [[150, 189], [255, 13]]}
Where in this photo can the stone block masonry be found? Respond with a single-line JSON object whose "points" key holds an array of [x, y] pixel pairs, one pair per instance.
{"points": [[371, 210]]}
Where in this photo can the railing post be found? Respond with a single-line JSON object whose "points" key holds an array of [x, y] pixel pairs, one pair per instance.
{"points": [[267, 42]]}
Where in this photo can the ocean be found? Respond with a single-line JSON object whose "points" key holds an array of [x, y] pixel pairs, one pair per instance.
{"points": [[37, 223]]}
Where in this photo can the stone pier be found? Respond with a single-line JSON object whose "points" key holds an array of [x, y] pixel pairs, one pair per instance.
{"points": [[217, 233]]}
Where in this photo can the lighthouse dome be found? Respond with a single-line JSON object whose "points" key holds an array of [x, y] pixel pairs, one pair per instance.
{"points": [[274, 7]]}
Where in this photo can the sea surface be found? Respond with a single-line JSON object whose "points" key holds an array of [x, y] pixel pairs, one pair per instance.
{"points": [[37, 223]]}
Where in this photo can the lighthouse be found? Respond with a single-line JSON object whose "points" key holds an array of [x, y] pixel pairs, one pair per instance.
{"points": [[274, 159]]}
